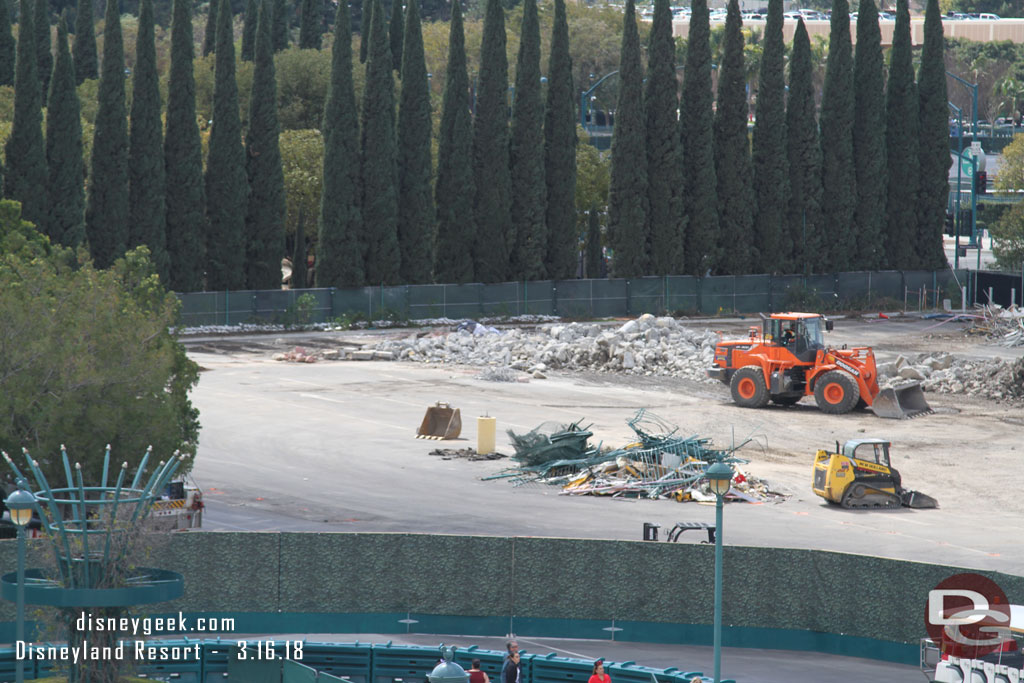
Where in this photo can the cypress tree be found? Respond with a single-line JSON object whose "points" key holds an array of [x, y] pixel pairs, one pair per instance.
{"points": [[901, 141], [838, 173], [340, 253], [527, 155], [868, 141], [25, 176], [249, 31], [311, 28], [44, 46], [183, 159], [106, 214], [395, 33], [771, 173], [803, 153], [365, 20], [415, 201], [264, 223], [664, 164], [84, 49], [146, 150], [210, 33], [8, 49], [933, 188], [454, 188], [595, 257], [298, 280], [380, 172], [227, 188], [732, 152], [560, 155], [627, 193], [66, 218], [492, 205], [279, 31], [700, 184]]}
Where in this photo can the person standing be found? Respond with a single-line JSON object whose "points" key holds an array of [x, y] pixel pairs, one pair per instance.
{"points": [[597, 674], [476, 675], [510, 668]]}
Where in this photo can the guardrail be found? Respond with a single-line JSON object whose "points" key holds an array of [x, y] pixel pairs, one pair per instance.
{"points": [[217, 660]]}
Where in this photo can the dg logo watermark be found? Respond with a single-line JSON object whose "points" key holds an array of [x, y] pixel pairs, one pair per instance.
{"points": [[968, 615]]}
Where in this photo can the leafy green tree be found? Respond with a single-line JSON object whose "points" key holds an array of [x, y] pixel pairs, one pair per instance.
{"points": [[183, 159], [1008, 231], [595, 254], [106, 213], [415, 199], [934, 146], [302, 161], [454, 189], [395, 33], [299, 252], [839, 179], [560, 155], [527, 155], [771, 173], [66, 217], [88, 357], [44, 47], [803, 153], [700, 184], [495, 234], [664, 160], [279, 31], [380, 173], [147, 189], [732, 152], [869, 148], [227, 188], [303, 77], [25, 174], [87, 63], [340, 252], [901, 141], [8, 48], [210, 32], [627, 194], [311, 28], [249, 31], [265, 218]]}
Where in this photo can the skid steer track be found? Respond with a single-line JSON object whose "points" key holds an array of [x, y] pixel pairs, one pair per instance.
{"points": [[864, 497]]}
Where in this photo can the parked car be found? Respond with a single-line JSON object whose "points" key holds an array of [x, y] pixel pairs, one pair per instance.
{"points": [[791, 16], [987, 16]]}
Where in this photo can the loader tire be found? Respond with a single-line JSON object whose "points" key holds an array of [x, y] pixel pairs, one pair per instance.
{"points": [[836, 392], [748, 388]]}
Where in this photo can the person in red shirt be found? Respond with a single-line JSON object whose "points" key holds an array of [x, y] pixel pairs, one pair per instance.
{"points": [[476, 675], [597, 675]]}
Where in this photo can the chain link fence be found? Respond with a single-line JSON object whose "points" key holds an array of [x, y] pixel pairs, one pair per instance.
{"points": [[684, 295]]}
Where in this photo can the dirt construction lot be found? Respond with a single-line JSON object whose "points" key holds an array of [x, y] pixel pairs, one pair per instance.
{"points": [[329, 446]]}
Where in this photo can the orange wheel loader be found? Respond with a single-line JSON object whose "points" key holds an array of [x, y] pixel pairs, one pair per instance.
{"points": [[787, 359]]}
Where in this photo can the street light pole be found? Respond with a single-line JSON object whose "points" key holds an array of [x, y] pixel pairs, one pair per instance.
{"points": [[20, 503], [719, 476]]}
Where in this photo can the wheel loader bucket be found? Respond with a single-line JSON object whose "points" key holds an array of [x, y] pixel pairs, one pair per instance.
{"points": [[901, 402], [440, 422], [916, 499]]}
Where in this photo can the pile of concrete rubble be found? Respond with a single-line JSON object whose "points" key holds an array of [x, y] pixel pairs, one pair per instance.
{"points": [[942, 373], [645, 346]]}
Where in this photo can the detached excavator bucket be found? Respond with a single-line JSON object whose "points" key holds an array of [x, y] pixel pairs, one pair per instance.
{"points": [[440, 422], [916, 499], [901, 402]]}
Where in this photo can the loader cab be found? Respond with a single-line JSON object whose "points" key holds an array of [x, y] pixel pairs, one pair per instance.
{"points": [[802, 336], [869, 450]]}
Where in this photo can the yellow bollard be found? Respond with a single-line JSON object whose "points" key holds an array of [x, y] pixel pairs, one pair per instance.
{"points": [[485, 430]]}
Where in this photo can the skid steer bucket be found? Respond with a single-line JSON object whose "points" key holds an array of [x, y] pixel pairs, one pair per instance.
{"points": [[440, 422], [916, 499], [901, 402]]}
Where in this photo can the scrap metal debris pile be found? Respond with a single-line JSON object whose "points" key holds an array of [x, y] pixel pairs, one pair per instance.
{"points": [[645, 346], [659, 464], [1005, 326]]}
